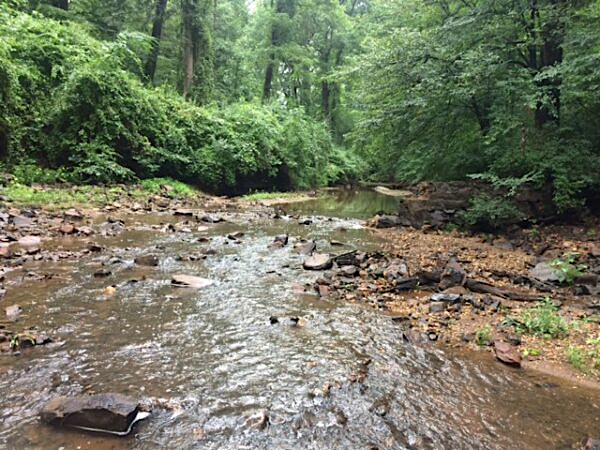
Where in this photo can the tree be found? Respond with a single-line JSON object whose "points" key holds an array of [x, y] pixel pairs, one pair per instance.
{"points": [[157, 26]]}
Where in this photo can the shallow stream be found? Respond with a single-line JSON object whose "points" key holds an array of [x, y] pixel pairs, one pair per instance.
{"points": [[226, 378]]}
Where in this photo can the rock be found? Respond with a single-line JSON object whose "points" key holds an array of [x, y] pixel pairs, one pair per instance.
{"points": [[102, 273], [304, 221], [183, 212], [5, 251], [281, 239], [13, 312], [21, 221], [385, 221], [591, 444], [507, 353], [336, 243], [414, 336], [87, 231], [323, 290], [29, 241], [73, 214], [147, 260], [110, 290], [95, 248], [350, 271], [112, 413], [437, 307], [273, 320], [235, 236], [588, 279], [352, 258], [190, 281], [211, 219], [444, 297], [67, 228], [395, 269], [307, 248], [453, 275], [544, 272], [318, 261]]}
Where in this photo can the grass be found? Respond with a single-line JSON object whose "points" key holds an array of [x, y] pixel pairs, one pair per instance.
{"points": [[71, 196], [484, 336], [542, 320], [567, 268]]}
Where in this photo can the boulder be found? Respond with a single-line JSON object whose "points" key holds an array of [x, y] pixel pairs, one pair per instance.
{"points": [[453, 275], [73, 214], [385, 221], [147, 260], [307, 248], [507, 353], [29, 241], [544, 272], [318, 261], [112, 413], [437, 307], [190, 281], [67, 228]]}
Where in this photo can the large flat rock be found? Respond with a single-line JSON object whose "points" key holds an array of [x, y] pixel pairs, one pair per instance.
{"points": [[113, 413]]}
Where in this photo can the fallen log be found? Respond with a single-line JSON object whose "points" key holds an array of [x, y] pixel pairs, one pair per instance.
{"points": [[482, 287]]}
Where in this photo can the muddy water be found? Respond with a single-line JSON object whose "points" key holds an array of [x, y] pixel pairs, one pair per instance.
{"points": [[216, 367]]}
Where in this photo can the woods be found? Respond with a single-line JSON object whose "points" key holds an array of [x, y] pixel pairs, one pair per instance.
{"points": [[210, 92]]}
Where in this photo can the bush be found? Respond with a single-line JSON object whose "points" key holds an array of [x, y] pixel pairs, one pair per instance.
{"points": [[75, 104], [490, 213], [542, 320]]}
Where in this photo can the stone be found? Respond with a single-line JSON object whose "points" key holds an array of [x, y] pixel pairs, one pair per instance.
{"points": [[385, 221], [112, 413], [304, 221], [235, 236], [273, 320], [307, 248], [21, 221], [67, 228], [350, 271], [147, 260], [453, 275], [544, 272], [29, 241], [281, 239], [318, 261], [73, 214], [591, 444], [183, 212], [87, 231], [13, 312], [102, 273], [437, 307], [323, 290], [190, 281], [588, 279], [507, 353], [5, 251], [445, 297]]}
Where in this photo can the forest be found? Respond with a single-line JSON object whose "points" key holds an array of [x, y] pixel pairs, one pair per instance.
{"points": [[235, 96]]}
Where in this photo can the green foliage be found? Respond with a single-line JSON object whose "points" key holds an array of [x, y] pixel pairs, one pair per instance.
{"points": [[542, 320], [531, 353], [567, 269], [483, 337], [74, 104], [585, 358], [489, 213], [167, 186]]}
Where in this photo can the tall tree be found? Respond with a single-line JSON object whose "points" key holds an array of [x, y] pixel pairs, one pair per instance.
{"points": [[157, 26]]}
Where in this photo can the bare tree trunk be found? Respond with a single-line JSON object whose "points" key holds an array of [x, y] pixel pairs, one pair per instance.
{"points": [[188, 46], [159, 18], [268, 82]]}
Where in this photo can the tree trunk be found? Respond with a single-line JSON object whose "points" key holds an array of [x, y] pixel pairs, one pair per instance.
{"points": [[268, 82], [188, 46], [159, 18]]}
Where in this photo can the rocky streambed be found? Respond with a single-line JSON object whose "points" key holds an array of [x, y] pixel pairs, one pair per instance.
{"points": [[263, 346]]}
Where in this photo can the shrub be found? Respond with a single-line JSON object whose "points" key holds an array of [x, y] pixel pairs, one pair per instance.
{"points": [[542, 320], [489, 213]]}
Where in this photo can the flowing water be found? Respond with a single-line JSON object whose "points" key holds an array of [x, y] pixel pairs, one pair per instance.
{"points": [[217, 367]]}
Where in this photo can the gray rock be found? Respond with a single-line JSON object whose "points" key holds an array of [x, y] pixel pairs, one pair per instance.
{"points": [[13, 312], [444, 297], [544, 272], [307, 248], [113, 413], [318, 261], [147, 260], [190, 281], [437, 307], [281, 239], [29, 241]]}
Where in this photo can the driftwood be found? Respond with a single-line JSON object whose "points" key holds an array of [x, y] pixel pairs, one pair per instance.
{"points": [[486, 288]]}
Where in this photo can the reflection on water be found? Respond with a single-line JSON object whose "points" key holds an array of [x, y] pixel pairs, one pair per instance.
{"points": [[226, 378], [357, 204]]}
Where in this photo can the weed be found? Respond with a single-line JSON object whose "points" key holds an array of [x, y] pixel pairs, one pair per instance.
{"points": [[567, 268], [577, 358], [484, 336], [168, 187], [531, 353], [256, 196], [542, 320]]}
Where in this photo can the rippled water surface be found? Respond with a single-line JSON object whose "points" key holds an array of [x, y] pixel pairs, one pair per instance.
{"points": [[218, 368]]}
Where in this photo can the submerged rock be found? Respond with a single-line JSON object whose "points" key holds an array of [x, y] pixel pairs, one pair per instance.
{"points": [[190, 281], [306, 248], [13, 312], [318, 261], [507, 353], [112, 413], [147, 260]]}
